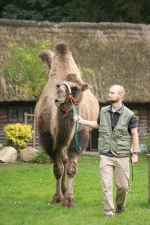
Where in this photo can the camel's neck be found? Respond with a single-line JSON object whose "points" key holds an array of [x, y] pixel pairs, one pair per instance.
{"points": [[66, 127]]}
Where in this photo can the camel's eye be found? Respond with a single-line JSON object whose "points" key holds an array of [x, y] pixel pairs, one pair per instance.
{"points": [[74, 90]]}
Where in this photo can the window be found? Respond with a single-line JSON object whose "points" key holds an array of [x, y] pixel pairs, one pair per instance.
{"points": [[94, 134], [16, 114], [27, 110]]}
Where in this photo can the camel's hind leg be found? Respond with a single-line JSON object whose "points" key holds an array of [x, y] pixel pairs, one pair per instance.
{"points": [[73, 154]]}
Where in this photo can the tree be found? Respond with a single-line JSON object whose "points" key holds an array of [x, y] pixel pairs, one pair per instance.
{"points": [[50, 10], [132, 11], [25, 69]]}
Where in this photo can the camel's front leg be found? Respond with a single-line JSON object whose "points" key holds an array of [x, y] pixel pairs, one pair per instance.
{"points": [[58, 172], [68, 200]]}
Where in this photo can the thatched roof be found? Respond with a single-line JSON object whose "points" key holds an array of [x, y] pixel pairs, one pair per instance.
{"points": [[9, 93], [117, 53]]}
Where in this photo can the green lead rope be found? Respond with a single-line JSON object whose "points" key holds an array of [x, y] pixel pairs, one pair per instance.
{"points": [[131, 165], [76, 129]]}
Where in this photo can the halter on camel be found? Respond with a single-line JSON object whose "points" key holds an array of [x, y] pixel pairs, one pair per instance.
{"points": [[74, 102]]}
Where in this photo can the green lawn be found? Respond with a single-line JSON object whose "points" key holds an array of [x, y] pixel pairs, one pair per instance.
{"points": [[26, 191]]}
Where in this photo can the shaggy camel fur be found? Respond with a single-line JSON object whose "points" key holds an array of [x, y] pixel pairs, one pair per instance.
{"points": [[55, 114]]}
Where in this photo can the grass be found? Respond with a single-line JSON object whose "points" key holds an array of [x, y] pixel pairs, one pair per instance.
{"points": [[26, 190]]}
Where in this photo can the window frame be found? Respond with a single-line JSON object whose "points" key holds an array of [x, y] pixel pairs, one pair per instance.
{"points": [[20, 110]]}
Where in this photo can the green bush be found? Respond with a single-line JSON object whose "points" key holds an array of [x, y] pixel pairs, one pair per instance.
{"points": [[42, 157], [17, 135], [146, 143]]}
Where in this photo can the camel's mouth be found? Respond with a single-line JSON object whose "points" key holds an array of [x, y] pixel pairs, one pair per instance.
{"points": [[58, 102]]}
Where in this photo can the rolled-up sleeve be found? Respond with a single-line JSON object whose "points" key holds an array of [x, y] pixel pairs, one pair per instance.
{"points": [[133, 122]]}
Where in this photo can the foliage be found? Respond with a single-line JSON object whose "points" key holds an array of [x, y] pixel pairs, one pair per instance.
{"points": [[133, 11], [146, 143], [87, 70], [110, 11], [42, 157], [43, 10], [25, 69], [17, 135], [27, 190]]}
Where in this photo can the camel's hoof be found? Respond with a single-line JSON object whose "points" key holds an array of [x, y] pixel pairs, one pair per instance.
{"points": [[68, 200], [57, 199]]}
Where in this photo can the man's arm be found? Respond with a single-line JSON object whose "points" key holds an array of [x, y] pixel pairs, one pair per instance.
{"points": [[135, 141], [92, 124]]}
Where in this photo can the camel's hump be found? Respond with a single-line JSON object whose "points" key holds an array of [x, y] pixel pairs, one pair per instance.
{"points": [[62, 48]]}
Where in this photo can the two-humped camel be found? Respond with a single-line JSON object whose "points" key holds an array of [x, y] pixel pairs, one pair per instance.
{"points": [[55, 117]]}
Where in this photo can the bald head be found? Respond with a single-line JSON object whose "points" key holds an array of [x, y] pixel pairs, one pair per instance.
{"points": [[120, 89]]}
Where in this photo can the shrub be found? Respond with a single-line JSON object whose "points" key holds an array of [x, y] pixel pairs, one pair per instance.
{"points": [[17, 135], [42, 157], [146, 143]]}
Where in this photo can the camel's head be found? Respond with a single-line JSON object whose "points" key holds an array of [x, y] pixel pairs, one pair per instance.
{"points": [[70, 90]]}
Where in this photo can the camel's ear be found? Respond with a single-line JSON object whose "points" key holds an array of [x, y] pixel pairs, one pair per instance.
{"points": [[85, 87]]}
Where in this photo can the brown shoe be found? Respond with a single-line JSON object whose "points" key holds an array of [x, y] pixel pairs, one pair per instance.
{"points": [[120, 209]]}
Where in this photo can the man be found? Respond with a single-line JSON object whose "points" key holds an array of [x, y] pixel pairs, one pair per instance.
{"points": [[117, 132]]}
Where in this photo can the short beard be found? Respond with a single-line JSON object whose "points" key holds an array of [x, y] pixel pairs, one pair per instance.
{"points": [[112, 101]]}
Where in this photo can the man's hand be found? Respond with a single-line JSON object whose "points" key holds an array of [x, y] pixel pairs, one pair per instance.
{"points": [[78, 118], [134, 159]]}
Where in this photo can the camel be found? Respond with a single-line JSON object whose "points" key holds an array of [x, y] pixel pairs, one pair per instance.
{"points": [[64, 95]]}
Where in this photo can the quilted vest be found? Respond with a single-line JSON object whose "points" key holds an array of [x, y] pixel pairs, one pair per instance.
{"points": [[119, 140]]}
